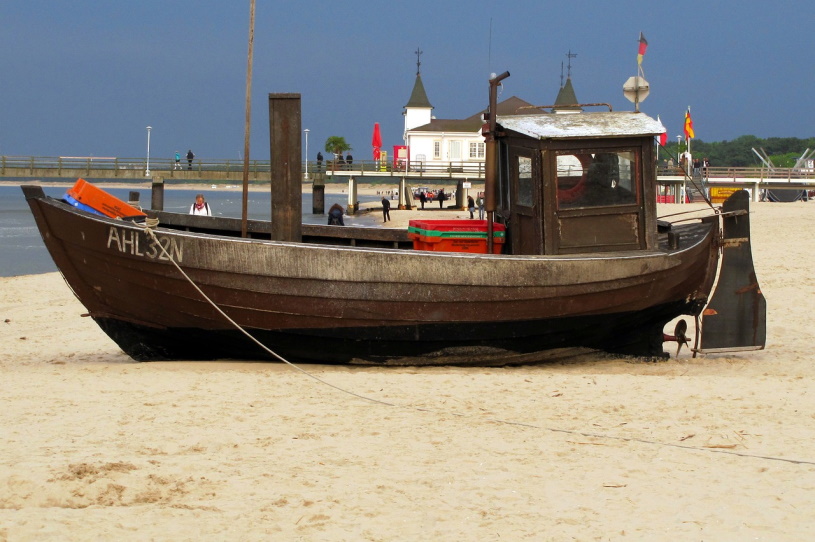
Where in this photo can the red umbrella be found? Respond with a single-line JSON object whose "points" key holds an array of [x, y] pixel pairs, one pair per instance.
{"points": [[376, 141]]}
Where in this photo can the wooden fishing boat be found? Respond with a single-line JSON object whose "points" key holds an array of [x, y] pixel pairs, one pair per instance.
{"points": [[584, 264]]}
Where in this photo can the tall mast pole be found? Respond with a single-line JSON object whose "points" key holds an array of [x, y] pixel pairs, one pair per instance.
{"points": [[491, 159], [244, 206]]}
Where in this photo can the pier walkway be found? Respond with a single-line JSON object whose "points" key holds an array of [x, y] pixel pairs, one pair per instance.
{"points": [[94, 167]]}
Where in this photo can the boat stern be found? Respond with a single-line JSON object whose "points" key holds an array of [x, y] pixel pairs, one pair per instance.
{"points": [[735, 319]]}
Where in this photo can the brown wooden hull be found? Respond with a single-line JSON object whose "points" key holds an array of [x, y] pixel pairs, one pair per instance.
{"points": [[324, 303]]}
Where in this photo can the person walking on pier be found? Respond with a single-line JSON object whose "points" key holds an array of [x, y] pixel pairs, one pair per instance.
{"points": [[319, 162], [177, 160], [190, 157]]}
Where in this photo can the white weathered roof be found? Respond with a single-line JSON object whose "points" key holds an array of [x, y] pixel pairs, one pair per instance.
{"points": [[582, 125]]}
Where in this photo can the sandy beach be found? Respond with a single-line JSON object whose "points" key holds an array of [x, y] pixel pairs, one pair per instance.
{"points": [[97, 446]]}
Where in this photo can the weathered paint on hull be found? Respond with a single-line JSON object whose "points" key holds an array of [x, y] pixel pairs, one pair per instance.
{"points": [[341, 304], [638, 333]]}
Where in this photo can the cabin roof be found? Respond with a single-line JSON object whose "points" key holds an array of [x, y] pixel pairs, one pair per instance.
{"points": [[582, 125]]}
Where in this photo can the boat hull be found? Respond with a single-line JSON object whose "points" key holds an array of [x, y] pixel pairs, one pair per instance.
{"points": [[322, 303]]}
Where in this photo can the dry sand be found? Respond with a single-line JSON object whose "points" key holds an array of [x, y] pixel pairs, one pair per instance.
{"points": [[96, 446]]}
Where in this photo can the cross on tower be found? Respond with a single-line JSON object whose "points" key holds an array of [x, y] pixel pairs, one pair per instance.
{"points": [[418, 59], [570, 56]]}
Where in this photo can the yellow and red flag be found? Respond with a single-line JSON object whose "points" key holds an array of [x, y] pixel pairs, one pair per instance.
{"points": [[688, 126], [643, 47]]}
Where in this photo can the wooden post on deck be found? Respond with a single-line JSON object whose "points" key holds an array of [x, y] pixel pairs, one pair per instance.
{"points": [[286, 174], [157, 194]]}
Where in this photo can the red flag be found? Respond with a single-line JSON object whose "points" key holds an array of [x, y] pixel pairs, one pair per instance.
{"points": [[376, 141], [643, 47], [663, 137], [689, 126]]}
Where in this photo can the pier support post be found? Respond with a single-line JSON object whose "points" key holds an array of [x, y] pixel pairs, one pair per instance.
{"points": [[404, 198], [318, 194], [353, 204]]}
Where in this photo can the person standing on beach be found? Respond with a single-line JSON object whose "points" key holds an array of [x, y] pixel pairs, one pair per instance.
{"points": [[177, 160], [190, 156], [200, 207], [386, 209]]}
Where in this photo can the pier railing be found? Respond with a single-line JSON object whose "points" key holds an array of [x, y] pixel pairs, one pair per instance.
{"points": [[107, 166], [113, 166], [232, 170]]}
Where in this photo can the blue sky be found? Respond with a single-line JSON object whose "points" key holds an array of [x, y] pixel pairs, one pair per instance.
{"points": [[86, 78]]}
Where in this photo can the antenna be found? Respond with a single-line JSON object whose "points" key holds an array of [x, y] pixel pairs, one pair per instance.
{"points": [[418, 59], [489, 50], [570, 56]]}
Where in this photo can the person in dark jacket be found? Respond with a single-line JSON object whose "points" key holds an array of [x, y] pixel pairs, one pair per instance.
{"points": [[470, 205], [190, 156], [386, 209], [335, 215], [441, 198]]}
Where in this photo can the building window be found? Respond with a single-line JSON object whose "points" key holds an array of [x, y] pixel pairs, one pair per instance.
{"points": [[437, 150], [477, 150]]}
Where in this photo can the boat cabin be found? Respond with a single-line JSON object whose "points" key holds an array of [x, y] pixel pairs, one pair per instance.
{"points": [[577, 183]]}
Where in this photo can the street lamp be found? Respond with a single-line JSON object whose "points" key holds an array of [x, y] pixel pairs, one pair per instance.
{"points": [[306, 131], [147, 173]]}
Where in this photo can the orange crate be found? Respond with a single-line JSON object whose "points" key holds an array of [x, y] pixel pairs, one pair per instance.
{"points": [[96, 198], [455, 236]]}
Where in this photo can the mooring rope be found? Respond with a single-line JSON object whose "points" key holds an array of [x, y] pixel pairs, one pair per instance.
{"points": [[152, 223], [148, 228]]}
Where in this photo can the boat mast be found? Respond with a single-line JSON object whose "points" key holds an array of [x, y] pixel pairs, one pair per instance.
{"points": [[491, 158], [244, 205]]}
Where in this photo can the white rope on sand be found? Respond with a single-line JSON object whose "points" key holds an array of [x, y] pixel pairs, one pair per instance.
{"points": [[151, 223]]}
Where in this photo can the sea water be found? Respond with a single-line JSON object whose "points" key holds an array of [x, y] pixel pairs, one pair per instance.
{"points": [[22, 251]]}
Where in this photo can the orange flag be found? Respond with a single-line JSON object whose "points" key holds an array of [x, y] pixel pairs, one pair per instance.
{"points": [[689, 126]]}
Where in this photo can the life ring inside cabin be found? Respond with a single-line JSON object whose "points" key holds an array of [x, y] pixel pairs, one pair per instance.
{"points": [[572, 191]]}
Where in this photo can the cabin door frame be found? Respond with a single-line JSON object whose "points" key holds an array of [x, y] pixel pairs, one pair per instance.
{"points": [[526, 226]]}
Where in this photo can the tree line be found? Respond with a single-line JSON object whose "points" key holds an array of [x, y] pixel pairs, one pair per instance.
{"points": [[783, 151]]}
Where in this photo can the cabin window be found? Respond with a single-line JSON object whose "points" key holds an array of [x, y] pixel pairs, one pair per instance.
{"points": [[437, 150], [596, 179], [525, 189], [477, 150]]}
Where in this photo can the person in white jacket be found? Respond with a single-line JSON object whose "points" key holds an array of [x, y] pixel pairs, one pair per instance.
{"points": [[200, 207]]}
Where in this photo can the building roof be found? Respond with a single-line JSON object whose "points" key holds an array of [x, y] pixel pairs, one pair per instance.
{"points": [[473, 123], [511, 106], [583, 125], [566, 97], [418, 98]]}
